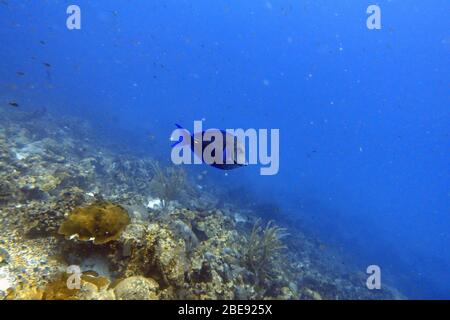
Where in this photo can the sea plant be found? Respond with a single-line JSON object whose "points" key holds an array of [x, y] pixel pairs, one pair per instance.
{"points": [[168, 183], [263, 251]]}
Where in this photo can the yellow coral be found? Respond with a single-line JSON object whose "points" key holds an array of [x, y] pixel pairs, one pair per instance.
{"points": [[101, 222], [137, 288], [50, 183], [57, 289]]}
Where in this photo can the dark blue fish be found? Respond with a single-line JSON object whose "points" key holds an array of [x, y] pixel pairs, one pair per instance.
{"points": [[232, 150]]}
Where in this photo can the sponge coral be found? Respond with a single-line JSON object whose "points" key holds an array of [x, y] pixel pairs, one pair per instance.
{"points": [[101, 222]]}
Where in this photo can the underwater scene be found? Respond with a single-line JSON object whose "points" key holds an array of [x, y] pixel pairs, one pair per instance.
{"points": [[224, 150]]}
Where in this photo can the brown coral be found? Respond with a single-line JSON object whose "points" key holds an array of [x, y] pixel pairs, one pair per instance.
{"points": [[154, 252], [91, 287], [137, 288], [101, 222]]}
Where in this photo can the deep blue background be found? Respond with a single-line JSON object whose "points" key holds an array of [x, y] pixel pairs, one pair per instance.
{"points": [[364, 115]]}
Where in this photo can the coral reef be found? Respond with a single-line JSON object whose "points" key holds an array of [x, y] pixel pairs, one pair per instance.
{"points": [[4, 257], [91, 287], [100, 222], [168, 184], [263, 250], [137, 288], [153, 251], [59, 177]]}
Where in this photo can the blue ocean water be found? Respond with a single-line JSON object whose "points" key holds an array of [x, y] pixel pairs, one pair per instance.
{"points": [[363, 114]]}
